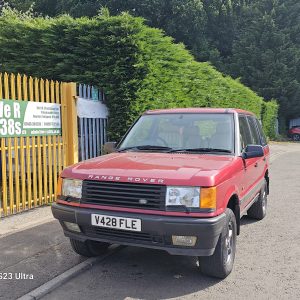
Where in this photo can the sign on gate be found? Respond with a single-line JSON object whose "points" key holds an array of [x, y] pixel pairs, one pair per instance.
{"points": [[28, 118]]}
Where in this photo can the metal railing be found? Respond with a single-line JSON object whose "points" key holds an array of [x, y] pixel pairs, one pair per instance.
{"points": [[91, 127]]}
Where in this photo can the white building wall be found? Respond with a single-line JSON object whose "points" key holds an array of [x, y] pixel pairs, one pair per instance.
{"points": [[294, 122]]}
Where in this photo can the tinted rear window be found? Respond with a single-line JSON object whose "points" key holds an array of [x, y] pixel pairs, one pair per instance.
{"points": [[261, 133], [245, 135], [254, 131]]}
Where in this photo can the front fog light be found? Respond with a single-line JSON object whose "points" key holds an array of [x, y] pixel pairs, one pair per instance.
{"points": [[72, 226], [184, 240]]}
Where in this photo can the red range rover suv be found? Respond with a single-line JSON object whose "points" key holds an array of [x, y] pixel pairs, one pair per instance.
{"points": [[180, 180]]}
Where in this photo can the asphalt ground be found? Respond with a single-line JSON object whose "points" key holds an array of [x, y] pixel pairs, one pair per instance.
{"points": [[266, 267], [42, 252], [267, 264]]}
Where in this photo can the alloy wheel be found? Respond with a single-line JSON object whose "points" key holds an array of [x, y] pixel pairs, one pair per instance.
{"points": [[229, 243]]}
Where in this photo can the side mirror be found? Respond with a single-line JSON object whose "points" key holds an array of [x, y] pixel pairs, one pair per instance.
{"points": [[252, 151], [109, 147]]}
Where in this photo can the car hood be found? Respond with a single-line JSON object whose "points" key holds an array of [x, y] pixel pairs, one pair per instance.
{"points": [[156, 168]]}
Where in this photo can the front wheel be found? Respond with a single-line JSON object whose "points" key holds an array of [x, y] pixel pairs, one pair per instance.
{"points": [[220, 264], [89, 248]]}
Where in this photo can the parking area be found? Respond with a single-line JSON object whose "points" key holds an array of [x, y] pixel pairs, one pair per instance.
{"points": [[267, 263]]}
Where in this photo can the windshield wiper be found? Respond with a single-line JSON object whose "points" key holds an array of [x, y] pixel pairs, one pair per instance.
{"points": [[201, 150], [145, 147]]}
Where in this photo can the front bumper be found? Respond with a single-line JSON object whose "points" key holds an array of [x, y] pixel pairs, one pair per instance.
{"points": [[156, 231]]}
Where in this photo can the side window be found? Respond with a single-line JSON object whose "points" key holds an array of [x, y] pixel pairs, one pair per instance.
{"points": [[245, 135], [261, 133], [254, 131]]}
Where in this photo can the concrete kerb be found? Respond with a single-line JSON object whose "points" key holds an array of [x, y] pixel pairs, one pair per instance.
{"points": [[54, 283]]}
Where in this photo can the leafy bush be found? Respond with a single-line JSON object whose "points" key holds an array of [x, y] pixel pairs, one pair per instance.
{"points": [[139, 67], [269, 116]]}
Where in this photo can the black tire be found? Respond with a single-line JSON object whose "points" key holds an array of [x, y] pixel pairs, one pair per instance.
{"points": [[89, 248], [296, 137], [258, 210], [220, 264]]}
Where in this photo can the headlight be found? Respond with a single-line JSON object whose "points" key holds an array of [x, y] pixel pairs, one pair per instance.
{"points": [[72, 188], [194, 197], [187, 196]]}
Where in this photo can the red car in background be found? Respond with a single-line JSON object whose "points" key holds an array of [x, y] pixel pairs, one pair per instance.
{"points": [[294, 133]]}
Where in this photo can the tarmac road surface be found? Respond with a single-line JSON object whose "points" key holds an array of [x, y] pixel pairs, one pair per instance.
{"points": [[267, 264]]}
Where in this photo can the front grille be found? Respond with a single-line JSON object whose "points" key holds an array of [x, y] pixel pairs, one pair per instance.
{"points": [[121, 194], [117, 235]]}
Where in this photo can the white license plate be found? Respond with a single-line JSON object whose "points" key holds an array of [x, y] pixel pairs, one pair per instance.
{"points": [[117, 222]]}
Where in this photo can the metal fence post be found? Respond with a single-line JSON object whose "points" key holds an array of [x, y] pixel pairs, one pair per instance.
{"points": [[69, 122]]}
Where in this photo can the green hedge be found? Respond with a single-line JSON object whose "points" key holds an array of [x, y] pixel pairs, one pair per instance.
{"points": [[269, 116], [139, 67], [175, 79]]}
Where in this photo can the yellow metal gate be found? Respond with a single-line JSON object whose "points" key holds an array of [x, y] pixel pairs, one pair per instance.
{"points": [[30, 166]]}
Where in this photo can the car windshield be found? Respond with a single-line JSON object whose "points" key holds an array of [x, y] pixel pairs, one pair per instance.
{"points": [[197, 132]]}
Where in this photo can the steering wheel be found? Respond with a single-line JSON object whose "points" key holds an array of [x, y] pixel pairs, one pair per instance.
{"points": [[158, 138]]}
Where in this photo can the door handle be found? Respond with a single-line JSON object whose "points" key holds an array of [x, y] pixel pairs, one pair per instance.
{"points": [[256, 165], [264, 159]]}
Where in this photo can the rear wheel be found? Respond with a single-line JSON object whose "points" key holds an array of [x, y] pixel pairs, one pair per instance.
{"points": [[258, 210], [220, 264], [89, 248], [296, 137]]}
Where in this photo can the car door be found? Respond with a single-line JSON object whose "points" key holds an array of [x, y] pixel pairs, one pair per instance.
{"points": [[248, 180]]}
